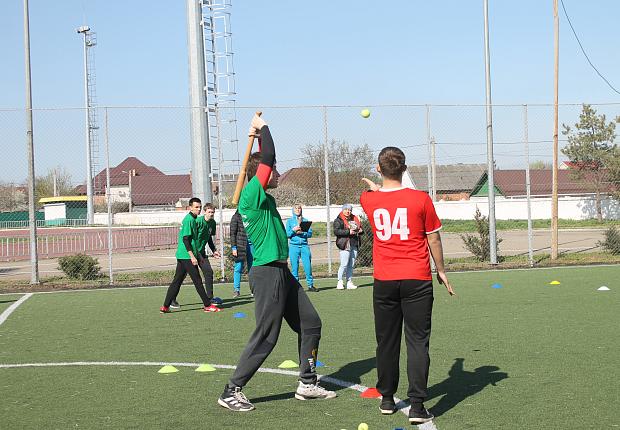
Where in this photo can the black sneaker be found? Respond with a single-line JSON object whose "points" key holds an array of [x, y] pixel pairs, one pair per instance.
{"points": [[236, 294], [175, 305], [419, 415], [387, 407], [312, 290], [233, 398]]}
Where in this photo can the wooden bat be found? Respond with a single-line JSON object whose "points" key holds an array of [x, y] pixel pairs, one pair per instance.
{"points": [[244, 165]]}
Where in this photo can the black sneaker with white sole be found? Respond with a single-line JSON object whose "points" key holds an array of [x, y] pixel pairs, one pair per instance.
{"points": [[233, 398], [174, 304], [387, 406], [420, 415]]}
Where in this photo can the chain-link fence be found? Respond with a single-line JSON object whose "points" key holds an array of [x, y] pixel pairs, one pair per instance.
{"points": [[322, 154]]}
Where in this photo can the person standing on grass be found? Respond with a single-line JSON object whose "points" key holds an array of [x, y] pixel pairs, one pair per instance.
{"points": [[405, 227], [242, 251], [187, 261], [205, 233], [347, 229], [277, 294], [298, 246]]}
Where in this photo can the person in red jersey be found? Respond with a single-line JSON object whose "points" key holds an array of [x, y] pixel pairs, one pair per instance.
{"points": [[405, 227]]}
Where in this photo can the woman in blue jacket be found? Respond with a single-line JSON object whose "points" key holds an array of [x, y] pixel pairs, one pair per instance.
{"points": [[298, 246]]}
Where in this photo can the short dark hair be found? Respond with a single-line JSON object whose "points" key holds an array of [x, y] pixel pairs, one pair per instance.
{"points": [[392, 162], [209, 206], [252, 167], [194, 200]]}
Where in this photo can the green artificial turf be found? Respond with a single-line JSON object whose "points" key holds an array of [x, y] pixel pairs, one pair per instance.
{"points": [[527, 355]]}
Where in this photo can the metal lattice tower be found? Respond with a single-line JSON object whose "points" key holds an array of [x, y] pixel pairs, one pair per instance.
{"points": [[92, 127], [220, 92]]}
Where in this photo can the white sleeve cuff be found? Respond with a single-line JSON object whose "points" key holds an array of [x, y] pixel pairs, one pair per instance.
{"points": [[436, 230]]}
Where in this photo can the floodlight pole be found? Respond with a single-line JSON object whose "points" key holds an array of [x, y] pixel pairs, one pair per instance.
{"points": [[32, 218], [90, 206], [490, 159]]}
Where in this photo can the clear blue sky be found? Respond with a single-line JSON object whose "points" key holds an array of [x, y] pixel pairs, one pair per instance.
{"points": [[308, 53]]}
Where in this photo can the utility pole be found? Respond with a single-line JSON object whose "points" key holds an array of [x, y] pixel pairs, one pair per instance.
{"points": [[490, 159], [32, 218], [554, 192]]}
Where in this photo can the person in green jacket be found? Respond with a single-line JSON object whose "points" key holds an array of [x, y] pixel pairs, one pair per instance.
{"points": [[206, 231], [187, 262]]}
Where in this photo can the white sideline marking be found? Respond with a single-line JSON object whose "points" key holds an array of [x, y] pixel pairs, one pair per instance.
{"points": [[357, 387], [8, 311]]}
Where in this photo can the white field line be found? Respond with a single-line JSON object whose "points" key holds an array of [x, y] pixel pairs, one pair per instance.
{"points": [[8, 311], [345, 384]]}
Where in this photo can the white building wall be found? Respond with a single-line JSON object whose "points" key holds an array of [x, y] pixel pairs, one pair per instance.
{"points": [[576, 208]]}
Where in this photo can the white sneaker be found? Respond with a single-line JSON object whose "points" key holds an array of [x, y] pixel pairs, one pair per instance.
{"points": [[351, 285], [313, 391], [340, 285]]}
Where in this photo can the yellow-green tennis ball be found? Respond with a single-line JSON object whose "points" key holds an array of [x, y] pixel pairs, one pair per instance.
{"points": [[365, 113], [363, 426]]}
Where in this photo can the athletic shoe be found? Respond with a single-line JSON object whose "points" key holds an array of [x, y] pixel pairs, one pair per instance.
{"points": [[351, 285], [175, 305], [211, 308], [387, 407], [312, 290], [419, 415], [217, 301], [236, 294], [164, 310], [340, 285], [233, 398], [313, 391], [251, 294]]}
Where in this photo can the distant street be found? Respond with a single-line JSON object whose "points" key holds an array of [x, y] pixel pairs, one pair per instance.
{"points": [[514, 243]]}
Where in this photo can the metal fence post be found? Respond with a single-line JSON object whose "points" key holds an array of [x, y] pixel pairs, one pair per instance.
{"points": [[108, 196], [530, 250], [327, 199]]}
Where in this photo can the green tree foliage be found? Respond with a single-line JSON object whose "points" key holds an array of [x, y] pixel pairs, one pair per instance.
{"points": [[12, 198], [612, 241], [480, 244], [347, 166], [592, 151], [540, 165], [44, 185]]}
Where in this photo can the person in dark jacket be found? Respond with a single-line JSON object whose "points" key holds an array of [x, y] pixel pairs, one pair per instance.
{"points": [[347, 229], [241, 250]]}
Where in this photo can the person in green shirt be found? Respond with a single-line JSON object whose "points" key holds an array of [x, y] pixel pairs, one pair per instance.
{"points": [[277, 294], [187, 262], [206, 231]]}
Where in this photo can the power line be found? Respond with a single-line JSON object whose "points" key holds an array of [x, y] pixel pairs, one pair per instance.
{"points": [[583, 50]]}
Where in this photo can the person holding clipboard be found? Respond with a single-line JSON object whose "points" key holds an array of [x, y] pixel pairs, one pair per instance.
{"points": [[299, 231]]}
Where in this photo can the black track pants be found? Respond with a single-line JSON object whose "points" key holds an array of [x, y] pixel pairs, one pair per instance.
{"points": [[394, 302], [278, 295]]}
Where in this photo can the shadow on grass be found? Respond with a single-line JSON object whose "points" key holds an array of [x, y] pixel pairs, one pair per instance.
{"points": [[7, 301], [281, 396], [351, 372], [461, 384], [227, 304]]}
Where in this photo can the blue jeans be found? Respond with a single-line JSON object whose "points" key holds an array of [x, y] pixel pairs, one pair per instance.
{"points": [[303, 251], [347, 261], [239, 267]]}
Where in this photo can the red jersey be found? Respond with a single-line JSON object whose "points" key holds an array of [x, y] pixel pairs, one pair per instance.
{"points": [[400, 218]]}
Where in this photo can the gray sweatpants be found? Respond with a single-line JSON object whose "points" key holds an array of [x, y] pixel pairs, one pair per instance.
{"points": [[277, 295]]}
